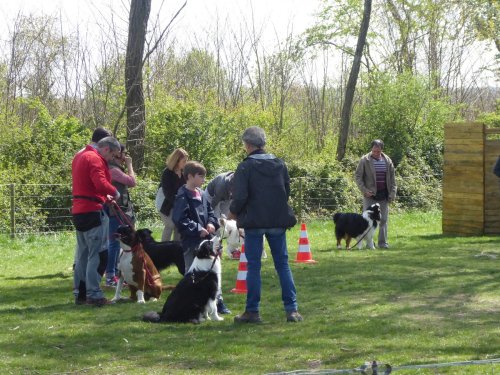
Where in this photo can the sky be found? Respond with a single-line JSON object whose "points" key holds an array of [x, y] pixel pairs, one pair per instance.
{"points": [[278, 17]]}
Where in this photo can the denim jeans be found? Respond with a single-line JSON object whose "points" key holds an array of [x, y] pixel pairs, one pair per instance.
{"points": [[113, 247], [89, 245], [276, 238]]}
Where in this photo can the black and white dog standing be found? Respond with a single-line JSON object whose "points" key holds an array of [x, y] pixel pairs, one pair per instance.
{"points": [[194, 297], [360, 227]]}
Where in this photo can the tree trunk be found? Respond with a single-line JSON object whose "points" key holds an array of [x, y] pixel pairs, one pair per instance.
{"points": [[351, 83], [134, 102]]}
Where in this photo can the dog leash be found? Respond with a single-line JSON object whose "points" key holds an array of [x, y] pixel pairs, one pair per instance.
{"points": [[361, 239], [149, 276], [210, 269], [118, 212]]}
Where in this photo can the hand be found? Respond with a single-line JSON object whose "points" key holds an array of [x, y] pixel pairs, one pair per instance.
{"points": [[369, 194], [210, 228], [127, 159], [203, 233]]}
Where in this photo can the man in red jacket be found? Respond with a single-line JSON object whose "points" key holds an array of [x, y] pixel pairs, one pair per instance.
{"points": [[91, 188]]}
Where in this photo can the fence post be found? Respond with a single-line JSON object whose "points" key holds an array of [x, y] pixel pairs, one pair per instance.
{"points": [[300, 199], [12, 211]]}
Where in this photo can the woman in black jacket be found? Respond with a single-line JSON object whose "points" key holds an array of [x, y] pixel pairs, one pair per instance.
{"points": [[171, 180]]}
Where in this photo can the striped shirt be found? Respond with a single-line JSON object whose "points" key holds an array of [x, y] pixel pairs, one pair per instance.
{"points": [[380, 172]]}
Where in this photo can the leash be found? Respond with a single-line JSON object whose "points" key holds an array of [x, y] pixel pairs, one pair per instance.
{"points": [[123, 219], [217, 254], [361, 239]]}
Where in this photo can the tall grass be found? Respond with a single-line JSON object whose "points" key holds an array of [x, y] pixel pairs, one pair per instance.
{"points": [[429, 298]]}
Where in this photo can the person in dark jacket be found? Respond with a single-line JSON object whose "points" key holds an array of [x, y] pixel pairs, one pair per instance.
{"points": [[261, 188], [194, 217], [171, 180]]}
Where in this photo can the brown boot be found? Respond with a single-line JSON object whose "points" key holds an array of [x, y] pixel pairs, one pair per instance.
{"points": [[248, 317]]}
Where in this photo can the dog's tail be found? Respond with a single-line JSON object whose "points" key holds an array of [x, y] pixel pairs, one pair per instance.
{"points": [[167, 287], [336, 217]]}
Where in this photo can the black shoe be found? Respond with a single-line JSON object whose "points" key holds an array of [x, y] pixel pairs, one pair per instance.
{"points": [[222, 308], [248, 317]]}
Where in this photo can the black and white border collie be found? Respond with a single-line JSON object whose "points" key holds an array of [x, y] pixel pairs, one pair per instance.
{"points": [[360, 227], [194, 297]]}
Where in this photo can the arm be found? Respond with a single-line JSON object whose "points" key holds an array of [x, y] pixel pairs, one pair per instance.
{"points": [[240, 190], [393, 187], [359, 176], [101, 183], [168, 185], [496, 168], [181, 218], [119, 176]]}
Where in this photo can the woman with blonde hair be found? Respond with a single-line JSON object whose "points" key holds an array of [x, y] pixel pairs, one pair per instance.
{"points": [[171, 180]]}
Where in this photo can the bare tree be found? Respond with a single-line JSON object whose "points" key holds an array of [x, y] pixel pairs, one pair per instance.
{"points": [[351, 83]]}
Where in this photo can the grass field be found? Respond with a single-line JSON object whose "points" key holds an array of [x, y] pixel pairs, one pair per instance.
{"points": [[427, 299]]}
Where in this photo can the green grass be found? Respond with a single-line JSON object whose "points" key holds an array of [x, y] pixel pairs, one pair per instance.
{"points": [[428, 299]]}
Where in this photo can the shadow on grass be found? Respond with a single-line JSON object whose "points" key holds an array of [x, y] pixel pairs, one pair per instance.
{"points": [[59, 275]]}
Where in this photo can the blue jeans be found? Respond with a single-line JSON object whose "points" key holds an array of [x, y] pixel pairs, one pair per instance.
{"points": [[88, 246], [276, 238], [113, 247]]}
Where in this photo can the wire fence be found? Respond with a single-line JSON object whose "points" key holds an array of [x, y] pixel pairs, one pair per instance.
{"points": [[46, 208]]}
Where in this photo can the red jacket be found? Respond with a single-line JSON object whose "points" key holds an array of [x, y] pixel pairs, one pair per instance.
{"points": [[91, 180]]}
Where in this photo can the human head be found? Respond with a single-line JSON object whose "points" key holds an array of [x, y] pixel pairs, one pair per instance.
{"points": [[123, 152], [377, 147], [100, 133], [195, 173], [109, 148], [254, 137], [177, 159]]}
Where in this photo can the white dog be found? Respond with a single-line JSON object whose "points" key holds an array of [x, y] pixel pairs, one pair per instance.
{"points": [[235, 237]]}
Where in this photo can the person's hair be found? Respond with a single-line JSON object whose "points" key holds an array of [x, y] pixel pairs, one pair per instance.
{"points": [[174, 157], [100, 133], [193, 168], [110, 142], [254, 136], [378, 143]]}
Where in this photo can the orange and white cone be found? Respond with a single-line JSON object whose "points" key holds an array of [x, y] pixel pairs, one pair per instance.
{"points": [[304, 254], [241, 279]]}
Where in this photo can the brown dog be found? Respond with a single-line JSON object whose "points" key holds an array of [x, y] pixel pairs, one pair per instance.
{"points": [[136, 268]]}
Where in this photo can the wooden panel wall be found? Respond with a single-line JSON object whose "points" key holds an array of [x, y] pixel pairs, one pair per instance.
{"points": [[491, 183], [463, 179]]}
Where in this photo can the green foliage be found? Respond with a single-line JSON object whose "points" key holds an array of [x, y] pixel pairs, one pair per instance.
{"points": [[37, 158], [418, 187], [405, 115], [202, 132], [491, 119]]}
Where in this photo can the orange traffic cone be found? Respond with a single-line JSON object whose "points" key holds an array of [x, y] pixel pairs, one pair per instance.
{"points": [[304, 254], [241, 279]]}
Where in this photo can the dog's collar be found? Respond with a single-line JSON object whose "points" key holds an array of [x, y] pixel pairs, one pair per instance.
{"points": [[132, 249]]}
